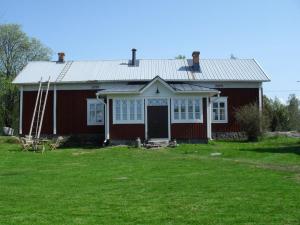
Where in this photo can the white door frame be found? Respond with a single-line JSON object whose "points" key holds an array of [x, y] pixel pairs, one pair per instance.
{"points": [[146, 115]]}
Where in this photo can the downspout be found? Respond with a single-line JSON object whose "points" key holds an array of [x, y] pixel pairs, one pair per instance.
{"points": [[106, 140]]}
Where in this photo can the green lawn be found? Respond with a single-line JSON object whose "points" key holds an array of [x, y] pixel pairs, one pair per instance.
{"points": [[250, 183]]}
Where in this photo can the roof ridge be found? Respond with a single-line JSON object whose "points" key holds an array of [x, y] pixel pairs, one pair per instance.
{"points": [[110, 60]]}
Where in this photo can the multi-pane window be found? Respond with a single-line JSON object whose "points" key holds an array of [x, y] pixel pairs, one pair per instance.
{"points": [[129, 110], [219, 110], [95, 112], [187, 110]]}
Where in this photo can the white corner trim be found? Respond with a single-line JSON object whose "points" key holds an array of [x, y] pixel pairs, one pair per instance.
{"points": [[146, 118], [208, 118], [107, 136], [169, 119], [21, 111], [260, 99], [54, 109]]}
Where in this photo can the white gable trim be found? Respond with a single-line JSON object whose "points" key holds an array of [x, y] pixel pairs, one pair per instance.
{"points": [[163, 82]]}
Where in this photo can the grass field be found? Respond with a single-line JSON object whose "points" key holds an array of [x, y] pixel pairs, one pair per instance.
{"points": [[250, 183]]}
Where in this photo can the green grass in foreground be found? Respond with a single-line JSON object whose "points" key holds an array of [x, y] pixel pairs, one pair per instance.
{"points": [[250, 183]]}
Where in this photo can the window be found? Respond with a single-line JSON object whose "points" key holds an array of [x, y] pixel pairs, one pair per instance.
{"points": [[219, 110], [95, 112], [187, 110], [128, 110]]}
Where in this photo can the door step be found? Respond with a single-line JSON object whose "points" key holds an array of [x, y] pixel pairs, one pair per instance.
{"points": [[157, 143]]}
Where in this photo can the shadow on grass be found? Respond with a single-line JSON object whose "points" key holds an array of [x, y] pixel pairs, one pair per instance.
{"points": [[280, 149]]}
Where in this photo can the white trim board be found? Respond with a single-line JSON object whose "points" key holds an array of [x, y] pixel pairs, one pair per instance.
{"points": [[97, 86]]}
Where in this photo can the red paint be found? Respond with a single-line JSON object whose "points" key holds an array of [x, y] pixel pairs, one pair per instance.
{"points": [[124, 131], [72, 116], [237, 97], [191, 130], [72, 113], [29, 99]]}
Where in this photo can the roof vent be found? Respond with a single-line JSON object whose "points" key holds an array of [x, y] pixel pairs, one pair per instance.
{"points": [[61, 57], [196, 60], [133, 59]]}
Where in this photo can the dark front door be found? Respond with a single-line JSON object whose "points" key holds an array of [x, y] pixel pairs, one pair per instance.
{"points": [[157, 121]]}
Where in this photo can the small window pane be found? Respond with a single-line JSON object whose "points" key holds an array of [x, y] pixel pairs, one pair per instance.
{"points": [[124, 109], [215, 105], [92, 114], [183, 109], [99, 113], [131, 109], [118, 110], [176, 110], [215, 114], [139, 109], [197, 105], [190, 109], [222, 105], [92, 117], [222, 114]]}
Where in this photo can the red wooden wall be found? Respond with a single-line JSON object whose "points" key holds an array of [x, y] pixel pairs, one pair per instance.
{"points": [[237, 97], [72, 113], [191, 130], [29, 98], [124, 131], [72, 116]]}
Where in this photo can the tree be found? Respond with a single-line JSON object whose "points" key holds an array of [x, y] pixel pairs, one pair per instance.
{"points": [[16, 49], [180, 57], [250, 120], [293, 109]]}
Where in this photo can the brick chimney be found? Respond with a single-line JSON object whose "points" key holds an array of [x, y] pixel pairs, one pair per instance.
{"points": [[61, 57], [133, 59], [196, 60]]}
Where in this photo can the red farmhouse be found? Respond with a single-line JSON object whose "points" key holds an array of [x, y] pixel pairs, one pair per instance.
{"points": [[184, 99]]}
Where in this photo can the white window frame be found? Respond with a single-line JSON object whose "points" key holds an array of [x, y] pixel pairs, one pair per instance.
{"points": [[186, 110], [128, 121], [219, 100], [95, 101]]}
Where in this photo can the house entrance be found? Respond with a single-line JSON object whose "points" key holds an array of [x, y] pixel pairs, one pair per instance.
{"points": [[157, 118]]}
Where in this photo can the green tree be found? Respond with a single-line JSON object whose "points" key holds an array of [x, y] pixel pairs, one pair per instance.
{"points": [[277, 114], [293, 108], [180, 57], [250, 120], [16, 49]]}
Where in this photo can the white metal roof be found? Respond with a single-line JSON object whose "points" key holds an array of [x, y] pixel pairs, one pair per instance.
{"points": [[147, 69]]}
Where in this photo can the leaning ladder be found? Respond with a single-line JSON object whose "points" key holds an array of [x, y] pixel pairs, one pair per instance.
{"points": [[39, 111]]}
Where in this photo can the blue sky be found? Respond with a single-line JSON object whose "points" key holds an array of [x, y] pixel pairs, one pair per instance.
{"points": [[267, 30]]}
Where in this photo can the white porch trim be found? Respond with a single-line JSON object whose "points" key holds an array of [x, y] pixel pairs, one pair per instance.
{"points": [[157, 78], [208, 118], [260, 103], [107, 118], [21, 110], [54, 110]]}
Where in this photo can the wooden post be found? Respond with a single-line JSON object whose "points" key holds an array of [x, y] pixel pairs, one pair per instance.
{"points": [[107, 119], [54, 109], [208, 118], [21, 110]]}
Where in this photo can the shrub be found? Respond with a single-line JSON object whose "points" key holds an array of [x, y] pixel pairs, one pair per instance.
{"points": [[250, 120]]}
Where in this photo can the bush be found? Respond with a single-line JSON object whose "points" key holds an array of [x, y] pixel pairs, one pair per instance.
{"points": [[250, 120]]}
